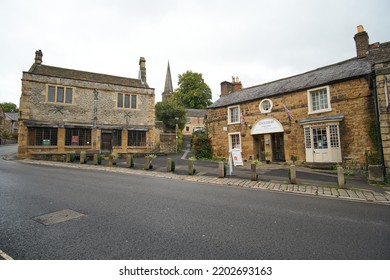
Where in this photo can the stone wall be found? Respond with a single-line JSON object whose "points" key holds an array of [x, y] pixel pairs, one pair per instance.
{"points": [[353, 99]]}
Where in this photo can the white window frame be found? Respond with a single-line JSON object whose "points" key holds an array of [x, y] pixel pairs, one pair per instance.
{"points": [[262, 110], [230, 116], [230, 140], [310, 100]]}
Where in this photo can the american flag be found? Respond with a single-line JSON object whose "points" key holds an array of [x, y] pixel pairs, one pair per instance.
{"points": [[290, 116]]}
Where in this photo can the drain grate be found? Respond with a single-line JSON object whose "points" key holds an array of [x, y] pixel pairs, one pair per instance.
{"points": [[58, 217]]}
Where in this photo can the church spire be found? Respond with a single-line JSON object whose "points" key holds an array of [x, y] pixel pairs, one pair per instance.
{"points": [[168, 88]]}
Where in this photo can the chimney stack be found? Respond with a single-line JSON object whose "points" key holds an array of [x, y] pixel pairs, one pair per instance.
{"points": [[38, 57], [142, 70], [227, 87], [362, 42]]}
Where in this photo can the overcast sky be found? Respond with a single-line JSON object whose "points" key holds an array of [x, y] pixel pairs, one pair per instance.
{"points": [[258, 41]]}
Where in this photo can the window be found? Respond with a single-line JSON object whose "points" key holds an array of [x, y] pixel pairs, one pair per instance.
{"points": [[117, 138], [59, 94], [136, 138], [233, 115], [77, 137], [127, 101], [320, 139], [234, 141], [319, 100], [265, 106], [42, 136], [307, 138], [334, 136]]}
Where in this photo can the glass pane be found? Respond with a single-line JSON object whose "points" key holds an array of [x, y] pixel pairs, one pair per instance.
{"points": [[127, 101], [120, 100], [134, 102], [69, 95], [51, 94], [320, 140], [60, 94]]}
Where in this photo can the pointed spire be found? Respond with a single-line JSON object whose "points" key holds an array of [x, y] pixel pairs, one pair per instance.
{"points": [[168, 88]]}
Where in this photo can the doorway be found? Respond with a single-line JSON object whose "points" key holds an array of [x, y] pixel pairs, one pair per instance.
{"points": [[277, 147], [106, 142]]}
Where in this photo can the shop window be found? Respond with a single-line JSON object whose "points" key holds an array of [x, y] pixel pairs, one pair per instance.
{"points": [[319, 100], [307, 138], [136, 138], [334, 136], [77, 137], [42, 136], [320, 140]]}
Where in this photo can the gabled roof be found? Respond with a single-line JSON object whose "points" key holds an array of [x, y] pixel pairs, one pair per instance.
{"points": [[12, 116], [51, 71], [322, 76], [196, 113]]}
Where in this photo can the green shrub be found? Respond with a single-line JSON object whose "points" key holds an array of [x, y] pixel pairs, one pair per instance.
{"points": [[202, 146]]}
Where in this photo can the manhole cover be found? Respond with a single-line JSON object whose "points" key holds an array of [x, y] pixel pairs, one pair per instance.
{"points": [[58, 217]]}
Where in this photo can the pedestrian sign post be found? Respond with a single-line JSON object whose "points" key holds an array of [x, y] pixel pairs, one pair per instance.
{"points": [[235, 159]]}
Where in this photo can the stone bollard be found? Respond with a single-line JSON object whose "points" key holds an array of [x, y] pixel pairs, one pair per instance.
{"points": [[191, 170], [147, 163], [221, 169], [169, 165], [340, 177], [253, 172], [129, 161], [83, 157], [67, 158], [111, 160], [293, 174], [95, 159]]}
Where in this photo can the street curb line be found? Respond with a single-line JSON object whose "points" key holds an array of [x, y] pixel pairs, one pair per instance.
{"points": [[5, 256], [234, 182]]}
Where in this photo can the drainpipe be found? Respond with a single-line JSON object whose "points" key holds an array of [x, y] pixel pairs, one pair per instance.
{"points": [[377, 116]]}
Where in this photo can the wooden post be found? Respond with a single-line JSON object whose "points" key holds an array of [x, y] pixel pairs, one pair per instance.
{"points": [[253, 172], [340, 177], [221, 169], [293, 174]]}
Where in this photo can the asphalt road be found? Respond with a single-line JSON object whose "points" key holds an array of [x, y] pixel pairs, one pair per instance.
{"points": [[134, 217]]}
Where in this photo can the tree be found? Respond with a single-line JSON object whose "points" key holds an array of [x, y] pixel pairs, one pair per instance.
{"points": [[193, 92], [9, 107], [171, 112]]}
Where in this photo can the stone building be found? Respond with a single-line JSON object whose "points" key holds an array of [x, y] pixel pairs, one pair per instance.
{"points": [[195, 120], [64, 110], [321, 117]]}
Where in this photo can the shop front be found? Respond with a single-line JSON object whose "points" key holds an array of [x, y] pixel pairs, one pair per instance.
{"points": [[268, 139], [322, 139]]}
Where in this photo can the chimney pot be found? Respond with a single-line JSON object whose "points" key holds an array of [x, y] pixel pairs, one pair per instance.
{"points": [[38, 57], [360, 28]]}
